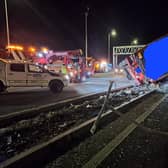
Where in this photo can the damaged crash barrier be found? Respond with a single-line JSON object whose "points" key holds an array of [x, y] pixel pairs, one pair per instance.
{"points": [[96, 123]]}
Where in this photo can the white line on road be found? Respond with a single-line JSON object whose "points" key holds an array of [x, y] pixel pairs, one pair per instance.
{"points": [[107, 150]]}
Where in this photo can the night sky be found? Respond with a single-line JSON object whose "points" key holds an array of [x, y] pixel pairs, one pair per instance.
{"points": [[59, 24]]}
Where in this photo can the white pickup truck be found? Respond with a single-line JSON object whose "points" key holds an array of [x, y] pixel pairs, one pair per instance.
{"points": [[24, 74]]}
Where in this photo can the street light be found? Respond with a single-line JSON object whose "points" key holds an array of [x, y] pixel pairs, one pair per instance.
{"points": [[135, 41], [113, 33], [7, 23]]}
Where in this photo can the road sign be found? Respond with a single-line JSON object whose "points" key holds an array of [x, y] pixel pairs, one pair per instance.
{"points": [[126, 50]]}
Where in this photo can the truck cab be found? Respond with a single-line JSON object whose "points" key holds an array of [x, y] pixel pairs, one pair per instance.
{"points": [[24, 74]]}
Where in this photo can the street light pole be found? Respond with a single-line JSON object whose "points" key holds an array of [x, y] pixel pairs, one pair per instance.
{"points": [[86, 34], [7, 23], [113, 33], [108, 41]]}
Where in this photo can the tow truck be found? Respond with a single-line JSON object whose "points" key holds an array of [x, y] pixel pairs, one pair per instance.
{"points": [[15, 73]]}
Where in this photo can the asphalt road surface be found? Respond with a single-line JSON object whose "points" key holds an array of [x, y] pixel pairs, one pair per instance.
{"points": [[17, 99], [144, 148]]}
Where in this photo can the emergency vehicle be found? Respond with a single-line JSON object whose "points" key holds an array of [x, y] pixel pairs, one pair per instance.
{"points": [[70, 62], [101, 66], [15, 73]]}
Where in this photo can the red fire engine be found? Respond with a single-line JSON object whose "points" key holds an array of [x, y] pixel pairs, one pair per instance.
{"points": [[70, 62]]}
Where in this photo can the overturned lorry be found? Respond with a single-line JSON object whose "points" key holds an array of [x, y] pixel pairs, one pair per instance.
{"points": [[149, 64]]}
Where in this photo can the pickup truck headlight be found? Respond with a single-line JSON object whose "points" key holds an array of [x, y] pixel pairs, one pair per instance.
{"points": [[116, 70], [66, 77], [121, 70]]}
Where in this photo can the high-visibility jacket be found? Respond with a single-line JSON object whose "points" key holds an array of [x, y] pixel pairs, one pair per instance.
{"points": [[63, 69]]}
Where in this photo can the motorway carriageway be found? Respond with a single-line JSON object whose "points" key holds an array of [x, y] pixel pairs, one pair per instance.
{"points": [[21, 99]]}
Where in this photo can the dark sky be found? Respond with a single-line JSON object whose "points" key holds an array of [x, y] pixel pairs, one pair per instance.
{"points": [[59, 24]]}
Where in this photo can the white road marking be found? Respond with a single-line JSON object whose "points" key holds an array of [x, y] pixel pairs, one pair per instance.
{"points": [[107, 150]]}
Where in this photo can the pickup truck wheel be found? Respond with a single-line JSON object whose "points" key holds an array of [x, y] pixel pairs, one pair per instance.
{"points": [[56, 86], [2, 87]]}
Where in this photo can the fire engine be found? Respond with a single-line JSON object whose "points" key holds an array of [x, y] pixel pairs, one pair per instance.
{"points": [[70, 62]]}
